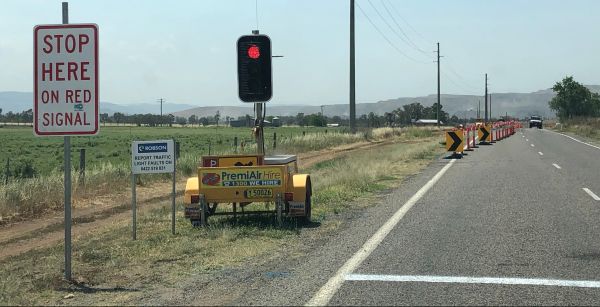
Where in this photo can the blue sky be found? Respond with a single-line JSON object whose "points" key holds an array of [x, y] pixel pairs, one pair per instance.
{"points": [[184, 51]]}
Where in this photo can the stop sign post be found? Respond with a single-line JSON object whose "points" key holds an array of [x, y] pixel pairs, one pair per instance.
{"points": [[66, 93]]}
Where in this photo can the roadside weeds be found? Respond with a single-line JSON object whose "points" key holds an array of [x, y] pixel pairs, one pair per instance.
{"points": [[111, 268]]}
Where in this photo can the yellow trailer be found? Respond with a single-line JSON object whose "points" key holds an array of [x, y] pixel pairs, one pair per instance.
{"points": [[244, 179]]}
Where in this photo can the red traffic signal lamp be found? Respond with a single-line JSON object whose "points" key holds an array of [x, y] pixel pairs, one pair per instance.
{"points": [[254, 68]]}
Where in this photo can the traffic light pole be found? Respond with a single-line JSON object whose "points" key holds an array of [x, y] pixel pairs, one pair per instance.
{"points": [[258, 129]]}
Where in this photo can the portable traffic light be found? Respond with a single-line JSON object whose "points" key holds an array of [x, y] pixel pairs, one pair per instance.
{"points": [[254, 68]]}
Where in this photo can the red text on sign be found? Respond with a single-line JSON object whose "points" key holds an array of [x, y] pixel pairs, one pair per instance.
{"points": [[65, 119], [61, 71], [59, 43], [78, 96]]}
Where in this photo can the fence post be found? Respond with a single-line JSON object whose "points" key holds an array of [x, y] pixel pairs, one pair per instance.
{"points": [[82, 166], [274, 140], [235, 142]]}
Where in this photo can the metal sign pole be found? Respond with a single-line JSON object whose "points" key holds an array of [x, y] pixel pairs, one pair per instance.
{"points": [[173, 195], [67, 167], [133, 211]]}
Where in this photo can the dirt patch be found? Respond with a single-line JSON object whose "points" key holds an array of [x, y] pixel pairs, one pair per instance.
{"points": [[92, 214]]}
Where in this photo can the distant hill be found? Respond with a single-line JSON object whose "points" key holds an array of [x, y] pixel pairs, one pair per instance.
{"points": [[21, 101], [515, 104]]}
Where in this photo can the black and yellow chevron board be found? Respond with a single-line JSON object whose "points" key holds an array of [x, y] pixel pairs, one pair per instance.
{"points": [[485, 133], [455, 141]]}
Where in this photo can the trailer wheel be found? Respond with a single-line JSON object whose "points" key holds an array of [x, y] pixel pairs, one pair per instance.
{"points": [[307, 204]]}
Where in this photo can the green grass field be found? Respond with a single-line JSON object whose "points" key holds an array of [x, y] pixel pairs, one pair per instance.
{"points": [[107, 258], [113, 144]]}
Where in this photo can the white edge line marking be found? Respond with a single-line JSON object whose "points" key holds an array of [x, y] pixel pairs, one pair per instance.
{"points": [[594, 196], [556, 165], [478, 280], [532, 145], [327, 291], [526, 140], [574, 139], [541, 153]]}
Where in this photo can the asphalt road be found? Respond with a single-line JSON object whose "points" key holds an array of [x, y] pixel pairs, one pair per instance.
{"points": [[509, 224]]}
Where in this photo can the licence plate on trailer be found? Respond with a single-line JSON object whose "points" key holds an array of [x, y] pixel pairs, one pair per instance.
{"points": [[258, 193]]}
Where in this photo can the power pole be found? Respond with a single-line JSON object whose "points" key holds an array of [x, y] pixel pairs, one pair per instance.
{"points": [[161, 100], [352, 89], [486, 100], [437, 111], [490, 106], [479, 110]]}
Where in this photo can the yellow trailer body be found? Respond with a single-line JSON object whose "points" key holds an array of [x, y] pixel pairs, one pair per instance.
{"points": [[242, 184], [237, 180]]}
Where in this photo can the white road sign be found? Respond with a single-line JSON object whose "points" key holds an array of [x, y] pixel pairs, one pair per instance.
{"points": [[66, 79], [148, 157]]}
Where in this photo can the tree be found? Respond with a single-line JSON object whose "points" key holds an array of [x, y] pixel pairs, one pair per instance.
{"points": [[414, 110], [316, 120], [180, 120], [574, 99], [300, 119], [192, 120], [217, 117], [118, 117], [171, 120]]}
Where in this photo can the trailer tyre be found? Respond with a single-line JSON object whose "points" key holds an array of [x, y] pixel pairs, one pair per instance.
{"points": [[308, 203]]}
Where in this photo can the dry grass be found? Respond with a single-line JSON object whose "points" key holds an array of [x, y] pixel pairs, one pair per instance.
{"points": [[112, 269], [33, 196], [586, 127], [357, 175]]}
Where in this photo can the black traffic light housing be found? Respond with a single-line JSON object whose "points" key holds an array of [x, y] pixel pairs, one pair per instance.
{"points": [[254, 68]]}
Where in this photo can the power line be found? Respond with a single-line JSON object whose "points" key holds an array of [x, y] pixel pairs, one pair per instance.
{"points": [[407, 23], [387, 23], [458, 85], [464, 81], [402, 31], [386, 38]]}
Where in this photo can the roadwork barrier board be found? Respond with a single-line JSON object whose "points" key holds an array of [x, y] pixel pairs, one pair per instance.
{"points": [[455, 141], [485, 133]]}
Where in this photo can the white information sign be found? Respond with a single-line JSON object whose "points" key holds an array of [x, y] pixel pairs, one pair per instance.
{"points": [[66, 79], [152, 157]]}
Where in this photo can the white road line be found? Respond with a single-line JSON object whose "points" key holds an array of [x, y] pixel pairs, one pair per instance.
{"points": [[574, 139], [478, 280], [532, 145], [526, 140], [556, 165], [541, 153], [594, 196], [327, 291]]}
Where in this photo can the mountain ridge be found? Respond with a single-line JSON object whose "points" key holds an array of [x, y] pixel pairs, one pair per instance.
{"points": [[515, 104]]}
